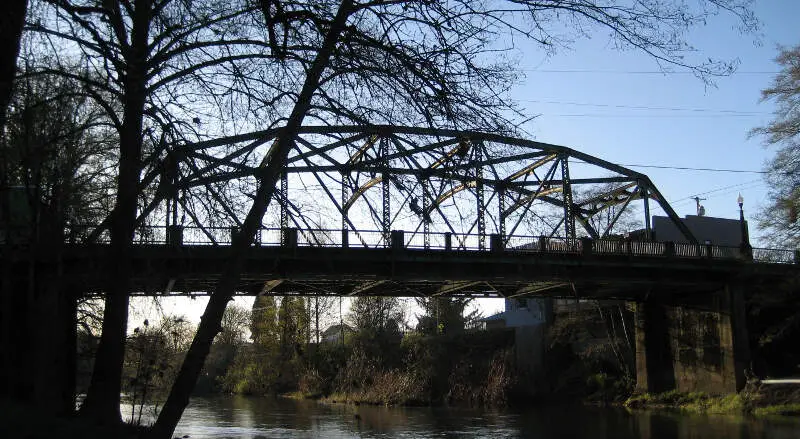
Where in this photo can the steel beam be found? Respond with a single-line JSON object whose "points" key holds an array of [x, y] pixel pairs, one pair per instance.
{"points": [[569, 217], [479, 198], [385, 195]]}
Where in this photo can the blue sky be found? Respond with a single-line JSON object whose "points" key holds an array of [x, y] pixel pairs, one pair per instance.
{"points": [[583, 97]]}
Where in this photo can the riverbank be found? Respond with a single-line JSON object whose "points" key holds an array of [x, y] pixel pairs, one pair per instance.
{"points": [[21, 421], [754, 400]]}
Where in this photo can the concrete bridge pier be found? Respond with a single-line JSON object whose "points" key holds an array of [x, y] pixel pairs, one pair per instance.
{"points": [[703, 348], [38, 322]]}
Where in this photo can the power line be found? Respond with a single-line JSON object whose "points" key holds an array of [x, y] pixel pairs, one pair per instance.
{"points": [[661, 116], [644, 107], [641, 72], [684, 168], [681, 202], [726, 189]]}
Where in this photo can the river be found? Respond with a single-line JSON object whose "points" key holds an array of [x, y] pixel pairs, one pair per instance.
{"points": [[257, 418]]}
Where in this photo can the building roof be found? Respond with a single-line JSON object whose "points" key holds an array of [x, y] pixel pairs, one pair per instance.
{"points": [[494, 317], [336, 329]]}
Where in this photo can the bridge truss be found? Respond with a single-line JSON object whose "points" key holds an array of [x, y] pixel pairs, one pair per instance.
{"points": [[431, 183], [388, 210]]}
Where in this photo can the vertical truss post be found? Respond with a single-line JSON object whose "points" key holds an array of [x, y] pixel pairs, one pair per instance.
{"points": [[175, 208], [345, 198], [569, 216], [284, 206], [174, 170], [479, 195], [426, 223], [387, 219], [646, 198], [501, 216]]}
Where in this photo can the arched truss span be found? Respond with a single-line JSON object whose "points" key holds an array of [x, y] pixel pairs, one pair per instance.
{"points": [[428, 182]]}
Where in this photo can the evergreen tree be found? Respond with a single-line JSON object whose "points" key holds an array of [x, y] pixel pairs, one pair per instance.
{"points": [[783, 171], [264, 322], [445, 315]]}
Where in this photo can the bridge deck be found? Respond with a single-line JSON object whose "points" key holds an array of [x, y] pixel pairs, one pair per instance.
{"points": [[275, 270]]}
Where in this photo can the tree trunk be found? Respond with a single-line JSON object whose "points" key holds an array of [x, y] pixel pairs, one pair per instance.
{"points": [[316, 317], [11, 22], [210, 322], [103, 398]]}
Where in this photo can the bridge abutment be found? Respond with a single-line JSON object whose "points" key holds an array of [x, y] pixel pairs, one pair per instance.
{"points": [[693, 349]]}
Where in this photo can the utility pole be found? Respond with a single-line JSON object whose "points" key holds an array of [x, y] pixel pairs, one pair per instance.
{"points": [[701, 210]]}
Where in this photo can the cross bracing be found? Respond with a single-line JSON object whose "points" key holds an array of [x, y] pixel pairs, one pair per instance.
{"points": [[423, 181]]}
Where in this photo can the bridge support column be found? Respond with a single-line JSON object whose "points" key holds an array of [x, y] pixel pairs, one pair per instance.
{"points": [[654, 372], [700, 349], [736, 334], [39, 342]]}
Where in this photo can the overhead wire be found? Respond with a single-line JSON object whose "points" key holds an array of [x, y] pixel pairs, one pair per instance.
{"points": [[661, 116], [645, 107], [641, 72], [681, 168], [683, 201], [688, 168]]}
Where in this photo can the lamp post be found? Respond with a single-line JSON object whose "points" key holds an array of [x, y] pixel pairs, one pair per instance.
{"points": [[747, 249]]}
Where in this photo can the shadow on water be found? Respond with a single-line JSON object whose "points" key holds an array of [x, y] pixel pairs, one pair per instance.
{"points": [[257, 418]]}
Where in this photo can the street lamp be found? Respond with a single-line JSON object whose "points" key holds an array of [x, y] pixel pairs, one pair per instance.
{"points": [[747, 250]]}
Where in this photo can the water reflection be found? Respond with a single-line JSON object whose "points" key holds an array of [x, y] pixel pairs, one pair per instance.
{"points": [[256, 418]]}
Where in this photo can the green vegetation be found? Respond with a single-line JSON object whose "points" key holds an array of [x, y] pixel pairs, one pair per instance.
{"points": [[591, 355], [695, 402], [778, 410], [700, 402], [376, 363]]}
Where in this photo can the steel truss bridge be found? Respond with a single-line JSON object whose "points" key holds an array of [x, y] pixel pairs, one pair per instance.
{"points": [[387, 210]]}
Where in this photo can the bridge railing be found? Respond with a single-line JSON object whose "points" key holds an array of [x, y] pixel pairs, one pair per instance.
{"points": [[535, 244], [437, 241], [776, 255]]}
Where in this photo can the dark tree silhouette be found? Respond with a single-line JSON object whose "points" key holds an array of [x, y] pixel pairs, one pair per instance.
{"points": [[154, 66], [54, 141], [12, 20]]}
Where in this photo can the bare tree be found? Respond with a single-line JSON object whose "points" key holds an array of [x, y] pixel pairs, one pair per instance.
{"points": [[158, 68], [53, 139], [610, 208], [321, 311]]}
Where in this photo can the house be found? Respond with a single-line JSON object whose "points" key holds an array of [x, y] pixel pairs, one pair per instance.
{"points": [[707, 230], [336, 333], [519, 313]]}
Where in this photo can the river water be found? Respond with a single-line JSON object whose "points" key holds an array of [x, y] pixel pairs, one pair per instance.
{"points": [[256, 418]]}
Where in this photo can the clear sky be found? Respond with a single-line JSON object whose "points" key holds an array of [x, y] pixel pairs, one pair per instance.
{"points": [[618, 106]]}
